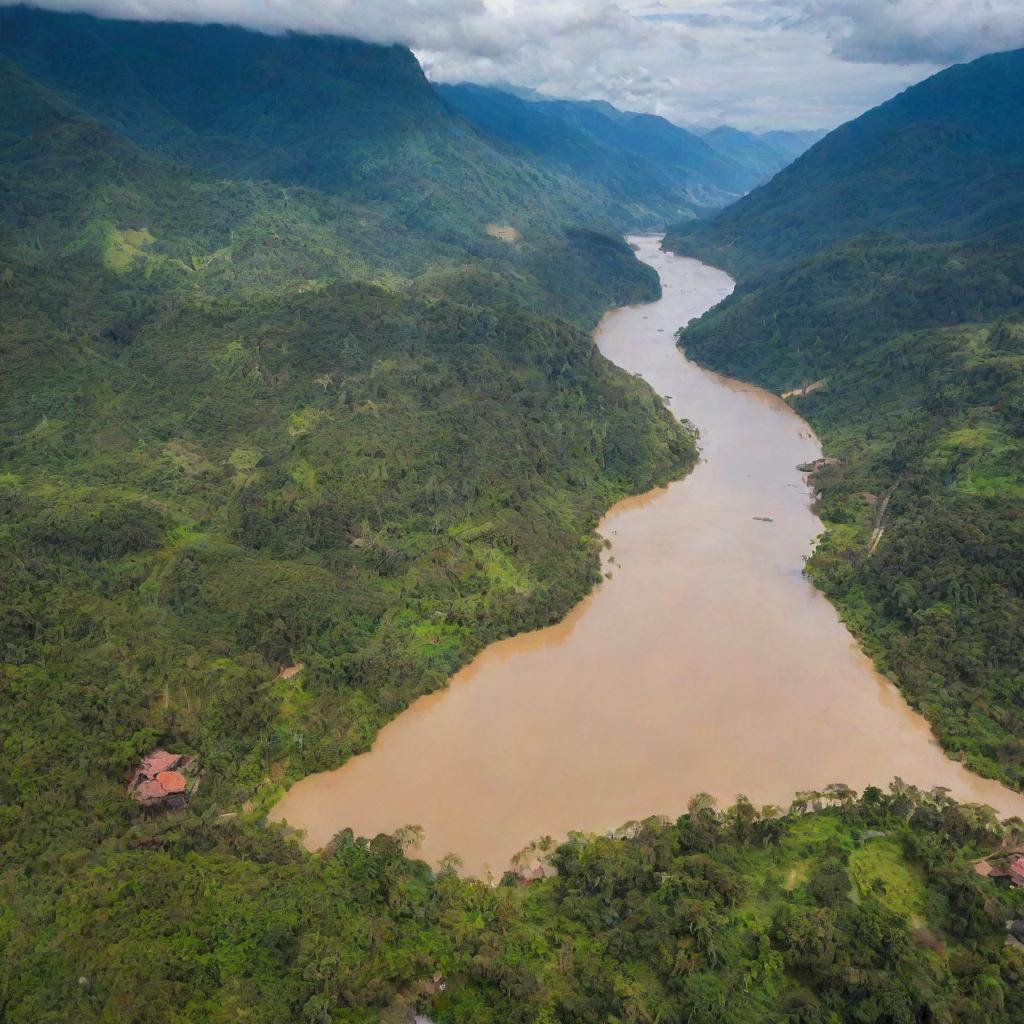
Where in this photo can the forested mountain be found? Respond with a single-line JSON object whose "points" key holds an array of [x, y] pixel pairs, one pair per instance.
{"points": [[886, 267], [290, 373], [749, 149], [334, 114], [942, 161], [654, 170], [245, 422]]}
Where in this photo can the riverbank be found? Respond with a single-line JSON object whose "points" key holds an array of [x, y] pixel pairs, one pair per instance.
{"points": [[706, 662]]}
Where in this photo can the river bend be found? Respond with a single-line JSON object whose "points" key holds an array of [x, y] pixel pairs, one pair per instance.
{"points": [[707, 662]]}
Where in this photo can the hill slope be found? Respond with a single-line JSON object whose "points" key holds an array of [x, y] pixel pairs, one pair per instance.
{"points": [[748, 149], [942, 161], [338, 115], [917, 340]]}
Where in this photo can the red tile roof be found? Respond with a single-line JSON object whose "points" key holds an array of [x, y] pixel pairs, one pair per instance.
{"points": [[155, 781], [150, 792], [173, 782], [159, 761]]}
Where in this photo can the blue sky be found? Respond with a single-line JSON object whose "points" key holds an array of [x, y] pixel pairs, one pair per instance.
{"points": [[752, 63]]}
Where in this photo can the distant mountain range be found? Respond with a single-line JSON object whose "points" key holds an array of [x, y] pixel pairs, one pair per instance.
{"points": [[652, 169], [766, 153], [337, 115], [340, 115]]}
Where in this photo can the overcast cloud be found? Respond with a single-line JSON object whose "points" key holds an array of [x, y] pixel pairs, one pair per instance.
{"points": [[752, 63]]}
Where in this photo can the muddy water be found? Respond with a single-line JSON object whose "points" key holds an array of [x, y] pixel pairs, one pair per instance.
{"points": [[706, 663]]}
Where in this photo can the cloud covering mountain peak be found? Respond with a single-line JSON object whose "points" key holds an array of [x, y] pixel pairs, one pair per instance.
{"points": [[783, 63]]}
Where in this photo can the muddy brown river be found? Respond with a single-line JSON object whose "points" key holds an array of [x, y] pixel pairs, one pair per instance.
{"points": [[707, 662]]}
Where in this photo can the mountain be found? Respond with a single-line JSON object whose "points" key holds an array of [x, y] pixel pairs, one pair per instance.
{"points": [[337, 115], [942, 161], [884, 266], [296, 367], [211, 374], [764, 153], [748, 149], [792, 143], [652, 169]]}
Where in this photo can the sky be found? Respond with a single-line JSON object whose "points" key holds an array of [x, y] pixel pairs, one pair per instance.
{"points": [[751, 63]]}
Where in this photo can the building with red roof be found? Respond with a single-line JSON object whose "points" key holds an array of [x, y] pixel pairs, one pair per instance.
{"points": [[1016, 869], [163, 780]]}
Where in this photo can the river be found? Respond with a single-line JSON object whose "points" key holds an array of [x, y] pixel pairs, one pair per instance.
{"points": [[706, 663]]}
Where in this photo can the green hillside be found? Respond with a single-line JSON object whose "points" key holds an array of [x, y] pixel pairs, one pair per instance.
{"points": [[246, 425], [338, 115], [253, 415], [916, 340], [942, 161]]}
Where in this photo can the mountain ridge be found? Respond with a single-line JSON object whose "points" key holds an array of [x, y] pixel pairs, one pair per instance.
{"points": [[647, 163], [918, 164]]}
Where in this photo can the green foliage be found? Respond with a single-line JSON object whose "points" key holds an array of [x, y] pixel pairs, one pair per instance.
{"points": [[198, 918], [257, 409]]}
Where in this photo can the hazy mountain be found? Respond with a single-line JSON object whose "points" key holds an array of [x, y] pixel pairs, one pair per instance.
{"points": [[338, 115], [792, 143], [652, 168], [765, 153], [748, 149]]}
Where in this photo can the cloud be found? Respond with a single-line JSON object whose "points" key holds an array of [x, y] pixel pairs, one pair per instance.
{"points": [[376, 21], [753, 63], [931, 31]]}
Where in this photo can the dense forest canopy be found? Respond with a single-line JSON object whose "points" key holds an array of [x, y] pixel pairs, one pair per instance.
{"points": [[275, 390], [886, 267], [863, 910]]}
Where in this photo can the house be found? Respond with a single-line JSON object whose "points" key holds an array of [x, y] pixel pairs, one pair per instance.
{"points": [[164, 780], [1016, 870]]}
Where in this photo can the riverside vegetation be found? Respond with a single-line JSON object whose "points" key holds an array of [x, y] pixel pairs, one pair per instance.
{"points": [[888, 262], [272, 393]]}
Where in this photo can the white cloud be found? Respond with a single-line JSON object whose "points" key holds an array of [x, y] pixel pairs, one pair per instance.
{"points": [[777, 63], [899, 31]]}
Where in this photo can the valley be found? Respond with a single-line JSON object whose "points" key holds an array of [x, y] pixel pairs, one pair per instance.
{"points": [[706, 663], [383, 504]]}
